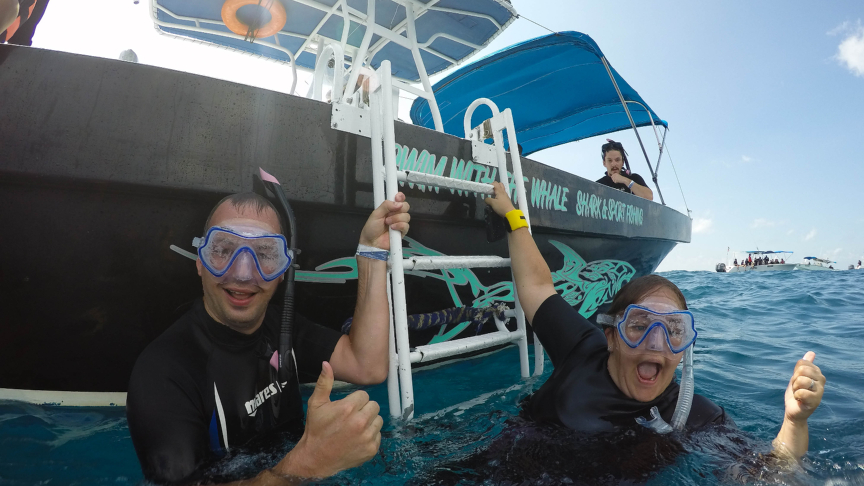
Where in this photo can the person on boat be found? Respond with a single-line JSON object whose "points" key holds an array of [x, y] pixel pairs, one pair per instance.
{"points": [[18, 20], [782, 261], [624, 374], [208, 385], [736, 262], [8, 14], [614, 158]]}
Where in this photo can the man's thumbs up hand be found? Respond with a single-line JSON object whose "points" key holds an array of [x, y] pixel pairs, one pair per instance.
{"points": [[339, 435], [323, 387]]}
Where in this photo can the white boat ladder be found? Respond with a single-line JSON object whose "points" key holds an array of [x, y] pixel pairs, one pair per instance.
{"points": [[386, 177]]}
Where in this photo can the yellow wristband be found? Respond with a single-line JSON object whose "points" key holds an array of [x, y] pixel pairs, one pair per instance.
{"points": [[516, 219]]}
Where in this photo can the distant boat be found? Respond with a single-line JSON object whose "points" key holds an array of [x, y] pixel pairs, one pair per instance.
{"points": [[762, 261], [813, 263]]}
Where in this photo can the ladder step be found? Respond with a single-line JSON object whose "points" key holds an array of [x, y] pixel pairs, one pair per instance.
{"points": [[450, 261], [447, 349], [443, 182]]}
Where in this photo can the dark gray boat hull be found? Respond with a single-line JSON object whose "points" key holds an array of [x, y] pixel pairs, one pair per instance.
{"points": [[104, 164]]}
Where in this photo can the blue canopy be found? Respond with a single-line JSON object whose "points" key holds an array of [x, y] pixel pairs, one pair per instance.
{"points": [[556, 86], [447, 30]]}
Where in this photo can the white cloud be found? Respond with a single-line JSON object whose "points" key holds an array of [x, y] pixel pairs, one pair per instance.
{"points": [[790, 232], [850, 52], [744, 158], [836, 252], [840, 29], [763, 223], [810, 235], [702, 225]]}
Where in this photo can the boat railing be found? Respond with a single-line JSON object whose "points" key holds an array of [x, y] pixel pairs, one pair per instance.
{"points": [[348, 59]]}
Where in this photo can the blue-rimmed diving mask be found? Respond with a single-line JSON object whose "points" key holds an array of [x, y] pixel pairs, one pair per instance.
{"points": [[244, 253], [673, 330]]}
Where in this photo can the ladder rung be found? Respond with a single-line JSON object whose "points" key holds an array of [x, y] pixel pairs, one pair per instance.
{"points": [[447, 349], [444, 182], [450, 261]]}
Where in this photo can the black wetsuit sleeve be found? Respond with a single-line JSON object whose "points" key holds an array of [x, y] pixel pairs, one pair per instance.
{"points": [[560, 328], [313, 343], [167, 429]]}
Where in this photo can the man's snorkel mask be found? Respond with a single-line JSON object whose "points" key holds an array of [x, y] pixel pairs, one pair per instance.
{"points": [[642, 326], [244, 254]]}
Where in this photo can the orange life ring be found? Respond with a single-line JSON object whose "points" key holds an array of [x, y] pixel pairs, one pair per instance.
{"points": [[277, 14]]}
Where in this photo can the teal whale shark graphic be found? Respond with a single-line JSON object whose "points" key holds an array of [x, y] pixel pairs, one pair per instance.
{"points": [[582, 284], [589, 285]]}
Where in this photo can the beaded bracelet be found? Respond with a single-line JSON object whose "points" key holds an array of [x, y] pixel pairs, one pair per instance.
{"points": [[373, 252]]}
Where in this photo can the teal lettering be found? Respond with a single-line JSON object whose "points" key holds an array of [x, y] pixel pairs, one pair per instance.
{"points": [[535, 192]]}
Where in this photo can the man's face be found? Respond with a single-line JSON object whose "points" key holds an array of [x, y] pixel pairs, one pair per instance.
{"points": [[239, 305], [613, 162]]}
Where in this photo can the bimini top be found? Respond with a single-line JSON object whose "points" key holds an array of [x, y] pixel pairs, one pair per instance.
{"points": [[447, 31], [766, 252], [556, 86], [820, 260]]}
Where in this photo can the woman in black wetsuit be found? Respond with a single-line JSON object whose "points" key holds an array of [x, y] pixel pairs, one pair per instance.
{"points": [[606, 380]]}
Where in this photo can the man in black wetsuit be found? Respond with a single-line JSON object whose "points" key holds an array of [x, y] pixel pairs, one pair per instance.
{"points": [[208, 384], [614, 156]]}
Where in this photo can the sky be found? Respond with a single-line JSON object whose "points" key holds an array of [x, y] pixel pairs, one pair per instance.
{"points": [[764, 102]]}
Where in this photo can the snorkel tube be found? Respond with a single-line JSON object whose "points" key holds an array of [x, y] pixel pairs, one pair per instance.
{"points": [[685, 392], [263, 183]]}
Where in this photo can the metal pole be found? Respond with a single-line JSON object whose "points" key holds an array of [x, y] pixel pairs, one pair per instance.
{"points": [[378, 196], [397, 273], [662, 144], [633, 124], [421, 68], [360, 55], [516, 160]]}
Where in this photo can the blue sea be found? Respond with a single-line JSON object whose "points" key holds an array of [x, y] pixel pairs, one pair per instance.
{"points": [[752, 329]]}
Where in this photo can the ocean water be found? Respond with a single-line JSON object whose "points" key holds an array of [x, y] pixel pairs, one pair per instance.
{"points": [[752, 330]]}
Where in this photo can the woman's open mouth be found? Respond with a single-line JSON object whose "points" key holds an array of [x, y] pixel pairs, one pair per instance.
{"points": [[648, 372]]}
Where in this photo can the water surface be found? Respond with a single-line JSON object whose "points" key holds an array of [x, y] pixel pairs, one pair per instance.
{"points": [[752, 329]]}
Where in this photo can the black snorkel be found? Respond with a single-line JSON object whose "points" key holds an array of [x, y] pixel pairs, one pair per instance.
{"points": [[267, 186]]}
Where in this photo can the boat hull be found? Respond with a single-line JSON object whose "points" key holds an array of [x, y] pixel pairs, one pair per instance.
{"points": [[772, 267], [105, 164], [812, 268]]}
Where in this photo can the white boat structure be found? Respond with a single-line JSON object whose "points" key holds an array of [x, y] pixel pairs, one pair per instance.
{"points": [[758, 261], [813, 263]]}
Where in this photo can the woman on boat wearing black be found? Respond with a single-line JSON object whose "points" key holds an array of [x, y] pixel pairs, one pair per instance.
{"points": [[606, 380]]}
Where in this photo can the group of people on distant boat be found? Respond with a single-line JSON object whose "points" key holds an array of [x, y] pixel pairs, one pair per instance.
{"points": [[750, 262]]}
